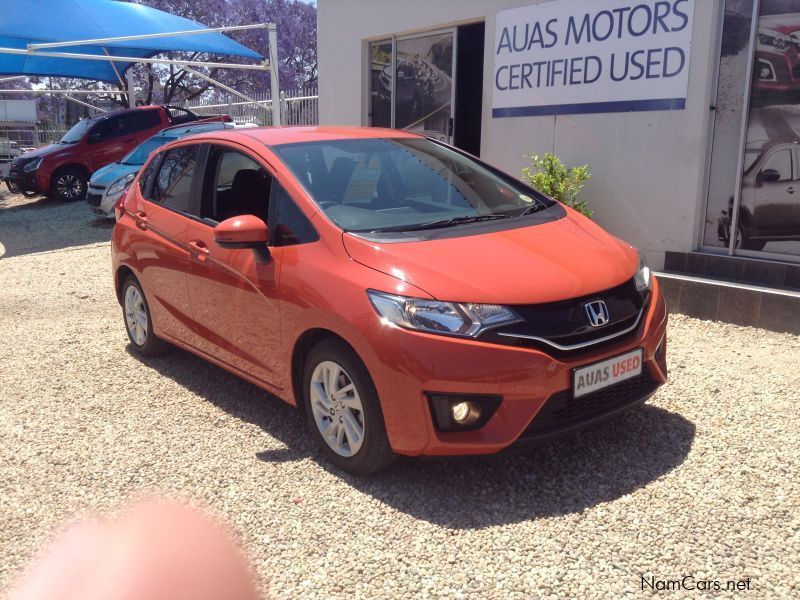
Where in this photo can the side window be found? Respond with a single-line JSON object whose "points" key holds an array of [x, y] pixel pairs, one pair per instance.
{"points": [[142, 120], [147, 176], [291, 225], [235, 185], [173, 185], [781, 162], [108, 128]]}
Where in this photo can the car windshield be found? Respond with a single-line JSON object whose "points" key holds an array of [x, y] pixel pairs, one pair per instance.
{"points": [[404, 184], [75, 134], [138, 155]]}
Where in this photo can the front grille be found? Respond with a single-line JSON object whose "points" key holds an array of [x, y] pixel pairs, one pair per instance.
{"points": [[563, 411], [566, 324], [94, 199]]}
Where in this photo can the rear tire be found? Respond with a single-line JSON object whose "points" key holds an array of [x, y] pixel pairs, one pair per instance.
{"points": [[343, 409], [138, 323], [69, 185]]}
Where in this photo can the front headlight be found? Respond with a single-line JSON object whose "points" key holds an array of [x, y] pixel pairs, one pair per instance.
{"points": [[643, 276], [120, 184], [33, 165], [775, 40], [432, 316]]}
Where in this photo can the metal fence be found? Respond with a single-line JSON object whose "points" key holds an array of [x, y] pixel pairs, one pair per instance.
{"points": [[30, 136], [298, 107]]}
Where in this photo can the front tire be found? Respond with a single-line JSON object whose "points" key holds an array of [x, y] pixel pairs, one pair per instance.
{"points": [[69, 185], [343, 409], [743, 241], [138, 322]]}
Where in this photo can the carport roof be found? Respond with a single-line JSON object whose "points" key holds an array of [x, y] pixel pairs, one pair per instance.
{"points": [[34, 21]]}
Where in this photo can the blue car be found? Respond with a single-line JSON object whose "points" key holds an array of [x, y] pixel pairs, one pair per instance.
{"points": [[107, 184]]}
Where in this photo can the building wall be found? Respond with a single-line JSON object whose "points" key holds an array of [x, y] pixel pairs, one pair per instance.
{"points": [[648, 168]]}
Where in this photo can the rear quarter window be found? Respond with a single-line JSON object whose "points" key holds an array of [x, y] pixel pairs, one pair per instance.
{"points": [[146, 178]]}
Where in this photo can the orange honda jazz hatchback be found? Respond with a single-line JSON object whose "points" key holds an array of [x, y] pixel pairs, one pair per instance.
{"points": [[407, 297]]}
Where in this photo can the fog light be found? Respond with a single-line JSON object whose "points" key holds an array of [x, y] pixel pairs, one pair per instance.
{"points": [[465, 413], [462, 412]]}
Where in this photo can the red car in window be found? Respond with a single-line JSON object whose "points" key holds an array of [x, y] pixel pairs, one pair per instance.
{"points": [[407, 297]]}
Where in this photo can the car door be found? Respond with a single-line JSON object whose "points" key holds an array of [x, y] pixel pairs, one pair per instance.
{"points": [[234, 292], [109, 140], [776, 191], [164, 209]]}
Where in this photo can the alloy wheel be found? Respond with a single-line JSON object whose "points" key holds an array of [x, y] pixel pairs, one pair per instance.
{"points": [[69, 186], [337, 408], [136, 315]]}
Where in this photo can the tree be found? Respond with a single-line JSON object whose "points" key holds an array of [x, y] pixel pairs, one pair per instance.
{"points": [[297, 48]]}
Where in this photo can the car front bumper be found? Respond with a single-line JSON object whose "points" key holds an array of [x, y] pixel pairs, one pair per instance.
{"points": [[537, 402], [98, 201], [21, 182]]}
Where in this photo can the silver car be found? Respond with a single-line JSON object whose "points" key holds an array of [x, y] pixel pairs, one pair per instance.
{"points": [[107, 184]]}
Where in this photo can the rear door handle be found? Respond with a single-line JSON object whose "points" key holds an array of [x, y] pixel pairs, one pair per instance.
{"points": [[200, 248], [790, 190], [141, 219]]}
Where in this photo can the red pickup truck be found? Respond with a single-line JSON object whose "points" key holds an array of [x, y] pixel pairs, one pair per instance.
{"points": [[62, 170]]}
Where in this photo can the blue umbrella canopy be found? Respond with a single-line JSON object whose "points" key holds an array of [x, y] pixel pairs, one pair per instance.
{"points": [[23, 22]]}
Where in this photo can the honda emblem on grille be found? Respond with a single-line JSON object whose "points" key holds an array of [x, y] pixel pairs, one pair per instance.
{"points": [[597, 312]]}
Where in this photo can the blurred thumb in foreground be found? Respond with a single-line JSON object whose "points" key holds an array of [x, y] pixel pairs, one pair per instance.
{"points": [[156, 550]]}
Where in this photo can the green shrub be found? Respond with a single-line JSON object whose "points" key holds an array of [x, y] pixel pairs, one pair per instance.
{"points": [[549, 175]]}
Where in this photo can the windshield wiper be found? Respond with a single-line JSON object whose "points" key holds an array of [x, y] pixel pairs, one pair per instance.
{"points": [[536, 207], [441, 223]]}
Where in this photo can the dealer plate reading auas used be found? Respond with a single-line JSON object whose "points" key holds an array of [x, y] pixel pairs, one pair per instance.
{"points": [[605, 373]]}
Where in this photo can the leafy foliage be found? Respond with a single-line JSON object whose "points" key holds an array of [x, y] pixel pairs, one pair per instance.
{"points": [[551, 176], [169, 84], [297, 47]]}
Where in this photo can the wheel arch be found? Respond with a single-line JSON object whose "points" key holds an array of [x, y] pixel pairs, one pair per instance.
{"points": [[71, 165], [307, 340], [123, 272]]}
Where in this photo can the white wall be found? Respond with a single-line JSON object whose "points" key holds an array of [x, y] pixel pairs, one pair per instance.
{"points": [[648, 167]]}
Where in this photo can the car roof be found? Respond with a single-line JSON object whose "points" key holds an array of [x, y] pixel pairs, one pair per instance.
{"points": [[273, 136], [181, 130]]}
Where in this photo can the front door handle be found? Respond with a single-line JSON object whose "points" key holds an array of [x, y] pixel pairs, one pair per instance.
{"points": [[790, 190], [199, 248], [129, 140]]}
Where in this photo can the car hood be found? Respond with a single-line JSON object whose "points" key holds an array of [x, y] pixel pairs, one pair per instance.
{"points": [[110, 173], [44, 151], [786, 23], [557, 260]]}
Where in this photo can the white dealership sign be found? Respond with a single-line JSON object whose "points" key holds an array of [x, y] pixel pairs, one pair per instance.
{"points": [[590, 56]]}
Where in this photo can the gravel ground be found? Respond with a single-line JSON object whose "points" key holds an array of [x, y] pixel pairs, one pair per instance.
{"points": [[701, 481]]}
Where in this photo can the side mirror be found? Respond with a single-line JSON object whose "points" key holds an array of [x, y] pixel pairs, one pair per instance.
{"points": [[244, 231], [770, 175], [95, 136]]}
